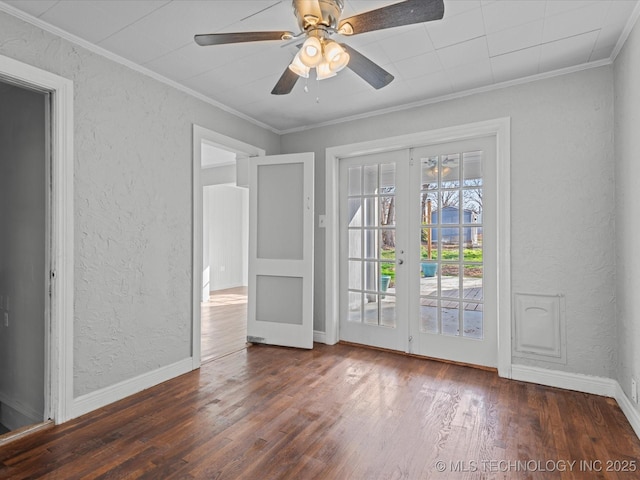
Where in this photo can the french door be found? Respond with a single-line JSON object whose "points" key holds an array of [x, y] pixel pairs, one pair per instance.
{"points": [[373, 213], [418, 253]]}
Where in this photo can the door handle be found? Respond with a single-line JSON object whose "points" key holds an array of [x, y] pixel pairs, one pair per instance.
{"points": [[400, 261]]}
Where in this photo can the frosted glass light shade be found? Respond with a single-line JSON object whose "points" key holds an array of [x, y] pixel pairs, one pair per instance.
{"points": [[311, 52], [336, 56], [323, 70], [298, 67]]}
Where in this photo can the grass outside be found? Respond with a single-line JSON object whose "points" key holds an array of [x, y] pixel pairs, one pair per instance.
{"points": [[470, 255]]}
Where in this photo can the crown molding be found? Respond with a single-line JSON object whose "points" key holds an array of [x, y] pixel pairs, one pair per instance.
{"points": [[628, 28], [9, 9]]}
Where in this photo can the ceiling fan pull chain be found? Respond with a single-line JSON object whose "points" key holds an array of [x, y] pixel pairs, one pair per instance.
{"points": [[306, 85], [318, 96]]}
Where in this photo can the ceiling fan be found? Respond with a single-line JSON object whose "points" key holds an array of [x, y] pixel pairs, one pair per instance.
{"points": [[318, 21]]}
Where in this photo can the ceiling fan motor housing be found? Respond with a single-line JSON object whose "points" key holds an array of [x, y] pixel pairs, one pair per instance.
{"points": [[313, 13]]}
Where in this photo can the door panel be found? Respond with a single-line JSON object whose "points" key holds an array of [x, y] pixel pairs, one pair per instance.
{"points": [[373, 306], [455, 284], [280, 303]]}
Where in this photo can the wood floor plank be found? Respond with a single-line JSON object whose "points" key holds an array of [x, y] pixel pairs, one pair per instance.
{"points": [[223, 320], [335, 412]]}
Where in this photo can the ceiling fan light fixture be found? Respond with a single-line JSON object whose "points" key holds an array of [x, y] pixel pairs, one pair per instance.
{"points": [[336, 56], [299, 68], [311, 19], [346, 29], [323, 71], [311, 52]]}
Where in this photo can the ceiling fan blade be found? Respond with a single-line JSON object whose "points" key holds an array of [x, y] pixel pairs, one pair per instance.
{"points": [[396, 15], [239, 37], [370, 72], [286, 83]]}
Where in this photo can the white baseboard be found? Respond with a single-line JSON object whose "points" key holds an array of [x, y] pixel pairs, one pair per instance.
{"points": [[15, 414], [581, 383], [319, 337], [105, 396], [628, 409], [566, 380]]}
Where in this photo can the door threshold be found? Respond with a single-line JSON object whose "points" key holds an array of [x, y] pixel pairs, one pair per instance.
{"points": [[422, 357], [25, 431]]}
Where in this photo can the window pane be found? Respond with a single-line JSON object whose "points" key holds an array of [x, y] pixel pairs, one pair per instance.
{"points": [[355, 243], [472, 283], [450, 210], [354, 213], [388, 310], [429, 315], [387, 276], [387, 210], [472, 168], [472, 203], [370, 179], [473, 255], [370, 243], [429, 171], [370, 213], [450, 170], [388, 243], [355, 307], [450, 318], [371, 310], [371, 276], [450, 247], [450, 282], [355, 275], [428, 205], [355, 180], [473, 326], [387, 178]]}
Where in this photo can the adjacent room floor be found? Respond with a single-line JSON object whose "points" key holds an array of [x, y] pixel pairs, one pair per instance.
{"points": [[336, 412], [223, 323]]}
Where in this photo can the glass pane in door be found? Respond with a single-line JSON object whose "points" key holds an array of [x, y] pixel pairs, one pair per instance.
{"points": [[371, 244], [451, 260]]}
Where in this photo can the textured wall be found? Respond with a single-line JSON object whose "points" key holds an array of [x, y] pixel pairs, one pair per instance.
{"points": [[22, 254], [562, 189], [627, 147], [132, 206]]}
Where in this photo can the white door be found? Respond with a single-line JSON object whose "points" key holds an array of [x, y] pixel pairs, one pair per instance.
{"points": [[417, 272], [373, 237], [280, 303], [454, 285]]}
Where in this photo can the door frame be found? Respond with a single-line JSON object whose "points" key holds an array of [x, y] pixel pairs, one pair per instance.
{"points": [[58, 388], [243, 151], [501, 129]]}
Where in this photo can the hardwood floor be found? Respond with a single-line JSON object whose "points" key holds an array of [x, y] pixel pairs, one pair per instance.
{"points": [[335, 412], [223, 323]]}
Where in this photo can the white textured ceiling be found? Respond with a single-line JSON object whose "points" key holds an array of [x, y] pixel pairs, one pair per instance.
{"points": [[479, 43]]}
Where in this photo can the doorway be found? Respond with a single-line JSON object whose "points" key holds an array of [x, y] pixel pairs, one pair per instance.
{"points": [[220, 178], [417, 270], [24, 254], [58, 343], [225, 269], [411, 306]]}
